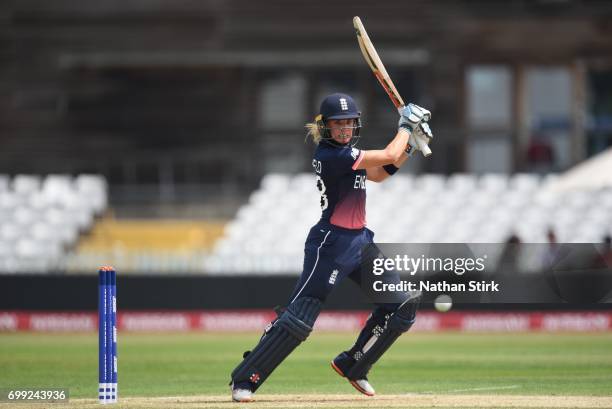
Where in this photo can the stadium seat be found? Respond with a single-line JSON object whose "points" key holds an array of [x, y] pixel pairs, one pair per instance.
{"points": [[493, 183], [4, 182], [26, 184], [462, 182]]}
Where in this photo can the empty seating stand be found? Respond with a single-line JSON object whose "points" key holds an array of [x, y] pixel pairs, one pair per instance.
{"points": [[41, 218], [267, 235]]}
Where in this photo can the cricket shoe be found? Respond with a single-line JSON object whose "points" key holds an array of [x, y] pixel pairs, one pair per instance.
{"points": [[342, 364], [241, 393]]}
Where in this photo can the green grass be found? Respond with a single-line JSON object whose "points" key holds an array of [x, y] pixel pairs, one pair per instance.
{"points": [[192, 364]]}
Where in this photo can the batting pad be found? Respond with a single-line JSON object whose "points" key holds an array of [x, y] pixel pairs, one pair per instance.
{"points": [[280, 339], [398, 323]]}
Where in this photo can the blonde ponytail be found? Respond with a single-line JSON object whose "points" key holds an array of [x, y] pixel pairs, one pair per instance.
{"points": [[313, 130]]}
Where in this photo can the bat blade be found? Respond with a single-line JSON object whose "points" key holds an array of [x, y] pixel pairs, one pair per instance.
{"points": [[375, 63], [380, 72]]}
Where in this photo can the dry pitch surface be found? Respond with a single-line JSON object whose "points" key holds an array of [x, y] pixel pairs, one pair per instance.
{"points": [[351, 402]]}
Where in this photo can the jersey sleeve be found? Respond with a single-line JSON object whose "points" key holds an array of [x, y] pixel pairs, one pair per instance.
{"points": [[344, 160]]}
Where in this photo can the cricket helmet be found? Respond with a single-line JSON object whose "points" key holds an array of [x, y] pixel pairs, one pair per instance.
{"points": [[338, 106]]}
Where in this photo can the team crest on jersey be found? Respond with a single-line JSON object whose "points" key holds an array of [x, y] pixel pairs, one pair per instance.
{"points": [[354, 153], [333, 276]]}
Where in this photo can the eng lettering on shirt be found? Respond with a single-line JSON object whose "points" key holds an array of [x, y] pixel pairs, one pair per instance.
{"points": [[316, 164], [359, 182]]}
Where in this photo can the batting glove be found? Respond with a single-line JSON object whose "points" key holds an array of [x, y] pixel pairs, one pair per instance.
{"points": [[412, 115], [423, 132]]}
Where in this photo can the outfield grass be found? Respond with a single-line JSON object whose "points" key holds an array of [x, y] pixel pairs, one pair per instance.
{"points": [[197, 364]]}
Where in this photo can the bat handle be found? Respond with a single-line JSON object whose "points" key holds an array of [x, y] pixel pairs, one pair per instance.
{"points": [[423, 146]]}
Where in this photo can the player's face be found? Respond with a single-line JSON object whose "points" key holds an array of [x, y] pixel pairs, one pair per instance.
{"points": [[341, 130]]}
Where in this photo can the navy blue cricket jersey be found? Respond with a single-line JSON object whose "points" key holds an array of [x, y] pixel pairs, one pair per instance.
{"points": [[342, 186]]}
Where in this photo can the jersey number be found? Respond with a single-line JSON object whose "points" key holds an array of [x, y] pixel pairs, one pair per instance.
{"points": [[321, 188]]}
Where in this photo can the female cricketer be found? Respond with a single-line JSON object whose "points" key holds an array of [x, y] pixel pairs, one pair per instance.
{"points": [[335, 248]]}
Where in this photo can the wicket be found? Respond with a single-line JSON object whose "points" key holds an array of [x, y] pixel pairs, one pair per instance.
{"points": [[107, 335]]}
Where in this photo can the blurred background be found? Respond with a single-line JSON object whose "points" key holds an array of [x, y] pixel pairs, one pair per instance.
{"points": [[166, 137]]}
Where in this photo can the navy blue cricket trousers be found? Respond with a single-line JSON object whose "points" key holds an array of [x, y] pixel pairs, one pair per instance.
{"points": [[332, 253]]}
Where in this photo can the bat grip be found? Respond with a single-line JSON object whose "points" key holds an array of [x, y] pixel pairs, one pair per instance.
{"points": [[422, 144]]}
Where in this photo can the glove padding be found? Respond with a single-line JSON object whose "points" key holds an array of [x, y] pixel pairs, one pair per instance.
{"points": [[412, 115], [423, 132], [420, 139]]}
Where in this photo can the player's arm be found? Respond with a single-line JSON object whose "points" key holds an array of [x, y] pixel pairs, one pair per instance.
{"points": [[378, 173], [392, 152], [412, 119], [413, 128]]}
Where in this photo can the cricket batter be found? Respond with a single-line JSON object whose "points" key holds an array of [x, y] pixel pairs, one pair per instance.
{"points": [[333, 248]]}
